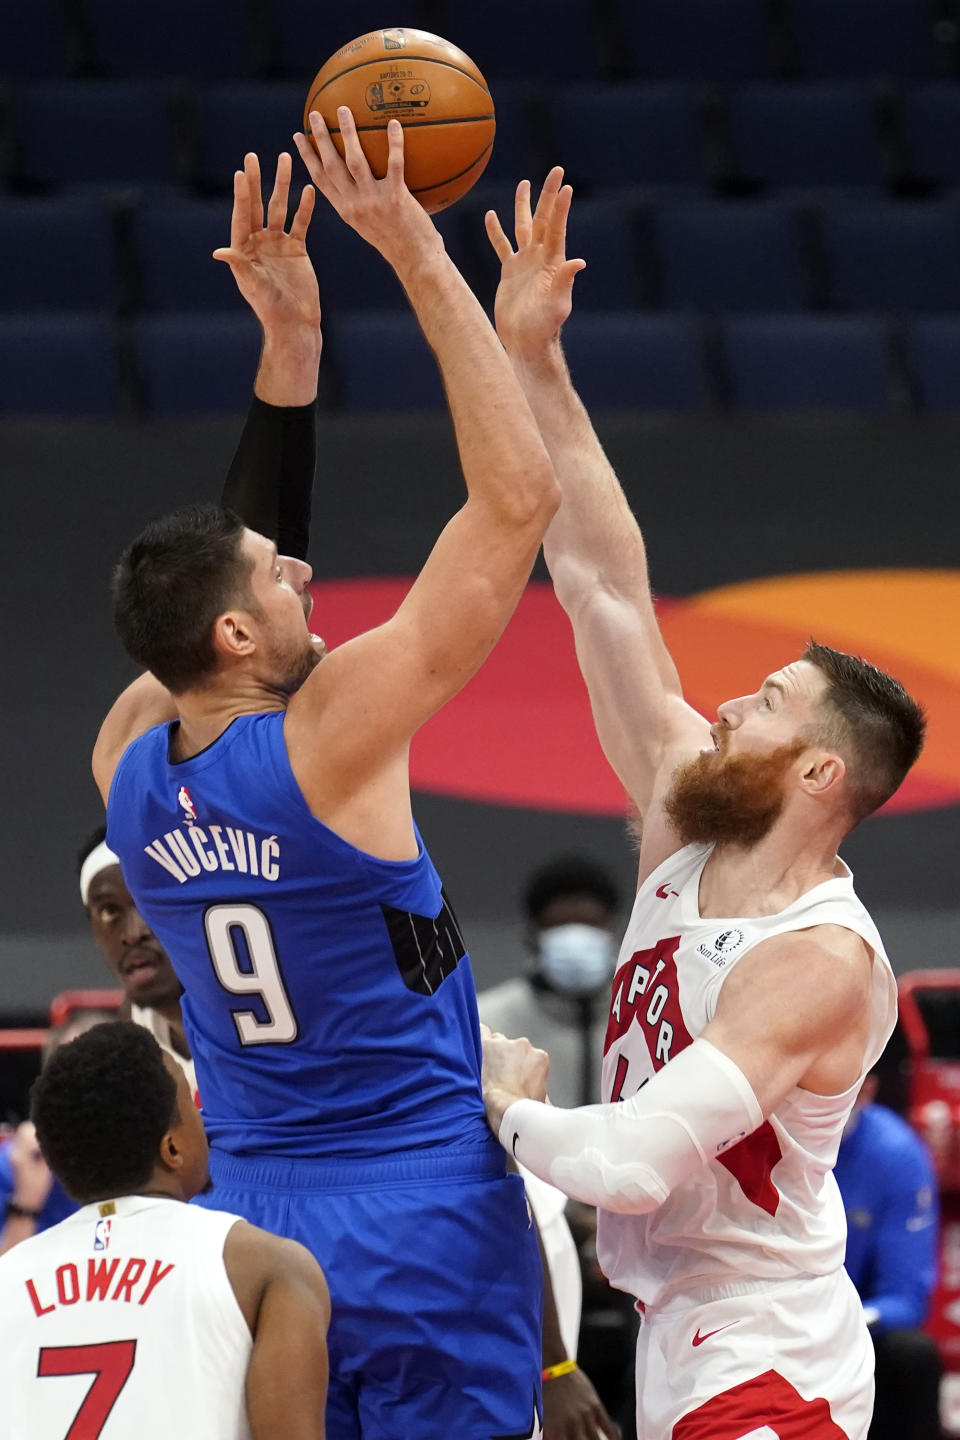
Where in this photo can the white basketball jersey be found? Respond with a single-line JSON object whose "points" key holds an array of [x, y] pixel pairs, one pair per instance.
{"points": [[120, 1323], [769, 1209]]}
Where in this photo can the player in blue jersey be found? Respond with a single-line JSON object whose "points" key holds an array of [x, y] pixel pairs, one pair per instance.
{"points": [[889, 1187], [259, 801]]}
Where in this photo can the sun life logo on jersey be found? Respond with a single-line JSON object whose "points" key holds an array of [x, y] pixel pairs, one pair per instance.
{"points": [[101, 1234], [185, 801], [723, 946]]}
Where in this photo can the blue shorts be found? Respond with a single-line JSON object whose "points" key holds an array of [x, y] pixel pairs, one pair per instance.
{"points": [[435, 1285]]}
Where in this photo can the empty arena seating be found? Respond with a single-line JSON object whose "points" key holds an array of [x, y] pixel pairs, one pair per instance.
{"points": [[649, 362], [189, 363], [808, 135], [729, 256], [628, 135], [750, 179], [806, 362], [837, 38], [62, 364]]}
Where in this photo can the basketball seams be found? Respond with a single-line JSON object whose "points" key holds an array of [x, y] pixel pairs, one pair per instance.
{"points": [[422, 124], [426, 189], [377, 60]]}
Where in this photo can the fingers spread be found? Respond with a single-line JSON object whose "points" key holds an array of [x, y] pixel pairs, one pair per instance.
{"points": [[331, 174], [240, 218], [353, 153], [277, 208], [301, 221], [522, 220], [395, 152], [251, 169], [496, 236]]}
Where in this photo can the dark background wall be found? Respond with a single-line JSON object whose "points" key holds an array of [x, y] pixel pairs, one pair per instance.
{"points": [[720, 499]]}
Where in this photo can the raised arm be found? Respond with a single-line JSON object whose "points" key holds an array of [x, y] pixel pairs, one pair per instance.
{"points": [[271, 477], [270, 482], [359, 709], [594, 547]]}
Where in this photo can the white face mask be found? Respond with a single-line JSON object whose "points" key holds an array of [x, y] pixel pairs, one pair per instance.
{"points": [[577, 959]]}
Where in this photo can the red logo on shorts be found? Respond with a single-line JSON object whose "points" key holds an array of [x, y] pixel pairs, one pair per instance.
{"points": [[698, 1339]]}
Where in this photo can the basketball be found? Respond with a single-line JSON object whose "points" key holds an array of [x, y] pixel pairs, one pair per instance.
{"points": [[432, 88]]}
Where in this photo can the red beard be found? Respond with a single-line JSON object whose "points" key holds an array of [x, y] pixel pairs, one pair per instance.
{"points": [[716, 799]]}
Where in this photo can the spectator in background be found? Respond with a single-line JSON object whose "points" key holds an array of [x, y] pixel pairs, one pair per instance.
{"points": [[889, 1191], [31, 1199], [133, 952], [570, 909], [560, 1004]]}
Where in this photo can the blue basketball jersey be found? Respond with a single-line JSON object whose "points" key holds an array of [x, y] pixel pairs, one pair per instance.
{"points": [[329, 1002]]}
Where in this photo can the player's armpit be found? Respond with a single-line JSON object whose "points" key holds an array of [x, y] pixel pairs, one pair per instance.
{"points": [[142, 705], [795, 1011]]}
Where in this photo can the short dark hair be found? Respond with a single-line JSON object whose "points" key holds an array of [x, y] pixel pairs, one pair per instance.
{"points": [[101, 1106], [170, 585], [568, 875], [872, 720]]}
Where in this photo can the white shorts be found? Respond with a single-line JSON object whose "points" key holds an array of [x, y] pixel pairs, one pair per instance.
{"points": [[791, 1360]]}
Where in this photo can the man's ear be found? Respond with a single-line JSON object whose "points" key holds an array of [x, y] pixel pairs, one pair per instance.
{"points": [[825, 771], [232, 639], [170, 1155]]}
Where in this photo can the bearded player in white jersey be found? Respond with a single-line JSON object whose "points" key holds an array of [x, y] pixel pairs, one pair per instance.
{"points": [[141, 1315], [752, 993]]}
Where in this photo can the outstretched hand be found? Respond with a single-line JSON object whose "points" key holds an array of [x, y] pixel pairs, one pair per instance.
{"points": [[535, 294], [270, 264], [383, 211]]}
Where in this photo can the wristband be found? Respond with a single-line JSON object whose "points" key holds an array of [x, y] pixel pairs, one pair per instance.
{"points": [[21, 1212], [553, 1372]]}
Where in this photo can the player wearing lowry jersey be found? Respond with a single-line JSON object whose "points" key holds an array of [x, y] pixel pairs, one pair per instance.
{"points": [[141, 1314], [267, 837], [752, 992]]}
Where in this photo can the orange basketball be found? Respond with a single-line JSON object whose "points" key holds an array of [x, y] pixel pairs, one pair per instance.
{"points": [[432, 88]]}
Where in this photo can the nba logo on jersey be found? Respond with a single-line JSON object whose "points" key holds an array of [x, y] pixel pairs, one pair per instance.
{"points": [[101, 1235], [185, 801]]}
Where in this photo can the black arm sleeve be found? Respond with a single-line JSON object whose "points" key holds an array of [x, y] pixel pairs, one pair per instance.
{"points": [[270, 482]]}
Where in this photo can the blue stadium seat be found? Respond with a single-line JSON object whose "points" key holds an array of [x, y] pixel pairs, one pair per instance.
{"points": [[837, 38], [95, 133], [730, 256], [550, 40], [352, 275], [893, 256], [636, 362], [805, 362], [649, 135], [932, 132], [56, 254], [807, 135], [253, 115], [384, 363], [197, 364], [181, 37], [173, 243], [308, 33], [33, 40], [598, 231], [933, 361], [58, 365], [719, 40]]}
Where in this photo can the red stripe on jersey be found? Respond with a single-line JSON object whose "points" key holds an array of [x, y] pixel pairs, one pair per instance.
{"points": [[646, 989], [767, 1399], [750, 1162]]}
